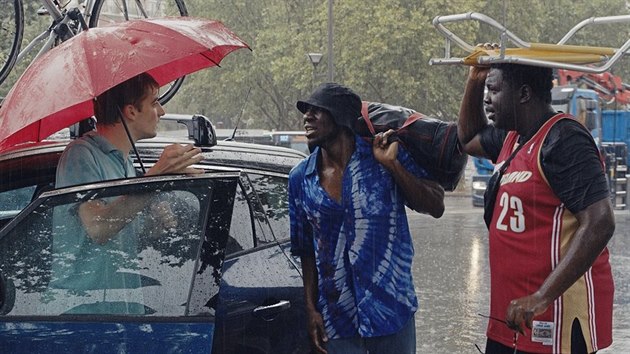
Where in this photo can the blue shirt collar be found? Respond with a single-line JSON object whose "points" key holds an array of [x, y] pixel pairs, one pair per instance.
{"points": [[102, 143], [361, 149]]}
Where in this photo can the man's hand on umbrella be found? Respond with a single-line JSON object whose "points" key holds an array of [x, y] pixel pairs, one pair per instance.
{"points": [[177, 158]]}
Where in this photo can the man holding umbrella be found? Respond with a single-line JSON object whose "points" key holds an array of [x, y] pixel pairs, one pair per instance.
{"points": [[89, 74], [104, 154], [97, 231]]}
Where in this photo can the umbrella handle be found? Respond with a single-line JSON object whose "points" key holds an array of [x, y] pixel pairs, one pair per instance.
{"points": [[135, 150]]}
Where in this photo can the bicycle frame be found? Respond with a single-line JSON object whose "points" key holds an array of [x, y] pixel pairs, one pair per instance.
{"points": [[68, 19], [505, 35], [60, 20]]}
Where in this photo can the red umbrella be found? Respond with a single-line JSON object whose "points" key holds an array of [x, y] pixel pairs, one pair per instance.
{"points": [[57, 90]]}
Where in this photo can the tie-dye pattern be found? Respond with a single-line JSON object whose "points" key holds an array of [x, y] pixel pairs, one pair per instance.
{"points": [[362, 245]]}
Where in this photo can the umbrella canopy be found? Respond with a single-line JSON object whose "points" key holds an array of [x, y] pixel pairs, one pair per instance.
{"points": [[58, 88]]}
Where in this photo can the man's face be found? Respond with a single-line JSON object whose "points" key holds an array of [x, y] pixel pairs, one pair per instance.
{"points": [[148, 113], [319, 126], [500, 101]]}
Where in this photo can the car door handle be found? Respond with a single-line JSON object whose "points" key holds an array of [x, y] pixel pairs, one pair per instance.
{"points": [[269, 312]]}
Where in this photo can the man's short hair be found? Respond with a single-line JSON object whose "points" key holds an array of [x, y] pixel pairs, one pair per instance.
{"points": [[108, 105], [540, 79]]}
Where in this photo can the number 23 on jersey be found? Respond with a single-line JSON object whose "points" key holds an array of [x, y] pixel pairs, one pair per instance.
{"points": [[511, 217]]}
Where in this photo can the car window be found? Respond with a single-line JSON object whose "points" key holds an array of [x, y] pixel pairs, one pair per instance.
{"points": [[273, 195], [256, 211], [241, 232], [14, 200], [51, 267]]}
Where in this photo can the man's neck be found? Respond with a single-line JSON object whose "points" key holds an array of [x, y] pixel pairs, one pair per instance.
{"points": [[337, 153], [532, 121], [117, 136]]}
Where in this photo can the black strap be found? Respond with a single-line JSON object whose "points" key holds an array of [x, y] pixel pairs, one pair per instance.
{"points": [[490, 195], [506, 164]]}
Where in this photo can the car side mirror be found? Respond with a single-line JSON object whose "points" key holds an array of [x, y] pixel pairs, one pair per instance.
{"points": [[86, 125], [201, 130]]}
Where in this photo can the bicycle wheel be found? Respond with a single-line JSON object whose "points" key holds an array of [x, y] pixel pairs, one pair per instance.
{"points": [[11, 30], [106, 12]]}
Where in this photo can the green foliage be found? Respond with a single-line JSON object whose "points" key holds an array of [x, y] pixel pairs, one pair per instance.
{"points": [[381, 49], [33, 26]]}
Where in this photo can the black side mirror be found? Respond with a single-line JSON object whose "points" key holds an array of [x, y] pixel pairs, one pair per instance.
{"points": [[78, 129], [201, 130]]}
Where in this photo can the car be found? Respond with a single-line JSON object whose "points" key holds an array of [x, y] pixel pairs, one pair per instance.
{"points": [[294, 139], [483, 171], [479, 184], [222, 280]]}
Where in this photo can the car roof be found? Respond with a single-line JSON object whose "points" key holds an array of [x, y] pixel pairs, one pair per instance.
{"points": [[36, 164]]}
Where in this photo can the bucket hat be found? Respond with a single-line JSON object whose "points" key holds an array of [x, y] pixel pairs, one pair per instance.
{"points": [[341, 102]]}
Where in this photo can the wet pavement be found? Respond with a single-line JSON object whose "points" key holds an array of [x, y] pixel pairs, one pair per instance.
{"points": [[452, 279]]}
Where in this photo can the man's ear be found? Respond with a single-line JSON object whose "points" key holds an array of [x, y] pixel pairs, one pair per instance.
{"points": [[128, 112]]}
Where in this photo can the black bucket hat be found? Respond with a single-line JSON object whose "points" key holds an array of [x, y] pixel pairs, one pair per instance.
{"points": [[341, 102]]}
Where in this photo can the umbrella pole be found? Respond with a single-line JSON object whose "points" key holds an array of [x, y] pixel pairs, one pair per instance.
{"points": [[135, 150]]}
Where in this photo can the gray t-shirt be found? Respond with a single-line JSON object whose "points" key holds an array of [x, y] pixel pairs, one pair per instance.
{"points": [[92, 159], [80, 264]]}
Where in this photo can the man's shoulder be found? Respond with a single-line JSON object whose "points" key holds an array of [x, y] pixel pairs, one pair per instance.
{"points": [[307, 165], [79, 147], [567, 130]]}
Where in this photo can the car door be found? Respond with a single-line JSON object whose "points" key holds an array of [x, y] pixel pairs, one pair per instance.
{"points": [[149, 289], [261, 306]]}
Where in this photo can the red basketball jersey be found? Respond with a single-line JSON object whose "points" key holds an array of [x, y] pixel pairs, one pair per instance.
{"points": [[529, 234]]}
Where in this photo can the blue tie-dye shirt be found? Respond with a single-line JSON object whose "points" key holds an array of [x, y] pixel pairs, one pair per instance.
{"points": [[362, 246]]}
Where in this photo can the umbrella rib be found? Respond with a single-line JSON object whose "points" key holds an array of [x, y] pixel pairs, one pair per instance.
{"points": [[207, 57]]}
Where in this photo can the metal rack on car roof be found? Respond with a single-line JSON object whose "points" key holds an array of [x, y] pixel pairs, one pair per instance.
{"points": [[560, 55]]}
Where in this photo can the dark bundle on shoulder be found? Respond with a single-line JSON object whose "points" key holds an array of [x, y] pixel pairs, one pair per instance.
{"points": [[432, 143]]}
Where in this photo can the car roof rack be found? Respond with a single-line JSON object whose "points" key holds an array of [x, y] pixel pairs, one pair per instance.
{"points": [[199, 127], [559, 55]]}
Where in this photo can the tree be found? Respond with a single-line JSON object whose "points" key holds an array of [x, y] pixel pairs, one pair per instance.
{"points": [[33, 26], [381, 50]]}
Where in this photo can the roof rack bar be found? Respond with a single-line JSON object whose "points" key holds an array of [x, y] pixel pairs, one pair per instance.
{"points": [[593, 21], [506, 35]]}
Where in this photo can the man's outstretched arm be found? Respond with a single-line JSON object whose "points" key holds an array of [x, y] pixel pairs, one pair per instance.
{"points": [[472, 117]]}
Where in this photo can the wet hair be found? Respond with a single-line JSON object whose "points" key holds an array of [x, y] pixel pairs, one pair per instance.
{"points": [[540, 79], [107, 105]]}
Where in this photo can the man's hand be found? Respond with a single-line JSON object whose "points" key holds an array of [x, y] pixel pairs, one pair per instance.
{"points": [[385, 150], [316, 332], [480, 72], [177, 158], [522, 311]]}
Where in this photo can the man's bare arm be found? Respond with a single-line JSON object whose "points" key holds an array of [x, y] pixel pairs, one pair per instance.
{"points": [[472, 117], [102, 221], [177, 158], [422, 195], [315, 323]]}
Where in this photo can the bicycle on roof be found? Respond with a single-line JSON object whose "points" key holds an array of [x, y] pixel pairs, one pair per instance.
{"points": [[68, 17]]}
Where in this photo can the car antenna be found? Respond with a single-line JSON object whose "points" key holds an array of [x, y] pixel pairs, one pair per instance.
{"points": [[231, 138]]}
